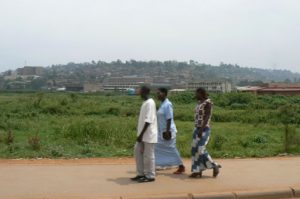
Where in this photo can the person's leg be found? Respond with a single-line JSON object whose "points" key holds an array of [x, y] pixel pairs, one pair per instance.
{"points": [[209, 162], [149, 160], [194, 151], [205, 154], [138, 154], [181, 167]]}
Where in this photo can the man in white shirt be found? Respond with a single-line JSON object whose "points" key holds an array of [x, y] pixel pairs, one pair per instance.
{"points": [[147, 137]]}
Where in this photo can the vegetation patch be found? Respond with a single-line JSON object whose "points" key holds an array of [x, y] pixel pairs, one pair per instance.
{"points": [[104, 125]]}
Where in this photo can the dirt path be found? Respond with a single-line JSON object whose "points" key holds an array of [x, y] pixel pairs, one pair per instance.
{"points": [[109, 178]]}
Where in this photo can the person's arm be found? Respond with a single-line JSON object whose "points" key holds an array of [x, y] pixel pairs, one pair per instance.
{"points": [[169, 117], [140, 137], [206, 116], [168, 125]]}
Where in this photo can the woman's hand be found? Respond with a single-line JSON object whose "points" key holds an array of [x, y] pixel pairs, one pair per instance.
{"points": [[200, 133], [167, 135]]}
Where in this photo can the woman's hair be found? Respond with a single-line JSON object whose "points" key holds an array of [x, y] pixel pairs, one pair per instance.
{"points": [[163, 90], [202, 91]]}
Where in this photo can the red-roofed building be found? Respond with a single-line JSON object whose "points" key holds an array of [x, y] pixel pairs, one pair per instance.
{"points": [[273, 89]]}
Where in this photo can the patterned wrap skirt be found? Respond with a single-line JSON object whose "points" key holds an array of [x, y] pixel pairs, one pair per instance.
{"points": [[201, 160]]}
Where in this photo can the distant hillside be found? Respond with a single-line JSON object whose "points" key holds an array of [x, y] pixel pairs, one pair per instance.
{"points": [[187, 71], [171, 72]]}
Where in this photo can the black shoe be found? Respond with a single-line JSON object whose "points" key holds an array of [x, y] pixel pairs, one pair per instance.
{"points": [[145, 179], [216, 170], [136, 178]]}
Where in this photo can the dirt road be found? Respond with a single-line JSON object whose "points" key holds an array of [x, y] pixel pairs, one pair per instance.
{"points": [[109, 178]]}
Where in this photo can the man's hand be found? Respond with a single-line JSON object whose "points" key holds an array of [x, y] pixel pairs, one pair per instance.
{"points": [[139, 139]]}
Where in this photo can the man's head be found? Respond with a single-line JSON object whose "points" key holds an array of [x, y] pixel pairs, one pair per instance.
{"points": [[162, 93], [201, 94], [144, 92]]}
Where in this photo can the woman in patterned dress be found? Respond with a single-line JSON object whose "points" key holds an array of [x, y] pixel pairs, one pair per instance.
{"points": [[201, 160]]}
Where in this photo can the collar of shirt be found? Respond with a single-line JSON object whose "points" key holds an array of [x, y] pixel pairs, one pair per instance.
{"points": [[164, 102]]}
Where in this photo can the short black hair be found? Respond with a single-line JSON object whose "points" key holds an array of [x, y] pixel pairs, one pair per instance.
{"points": [[163, 90], [202, 91], [145, 89]]}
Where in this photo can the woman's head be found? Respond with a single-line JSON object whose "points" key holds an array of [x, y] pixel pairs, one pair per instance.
{"points": [[201, 94], [162, 93]]}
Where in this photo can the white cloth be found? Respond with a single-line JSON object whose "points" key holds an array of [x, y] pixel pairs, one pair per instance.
{"points": [[145, 160], [148, 114]]}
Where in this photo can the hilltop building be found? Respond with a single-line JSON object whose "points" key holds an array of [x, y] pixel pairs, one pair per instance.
{"points": [[125, 82], [92, 87], [30, 71], [211, 86], [74, 87]]}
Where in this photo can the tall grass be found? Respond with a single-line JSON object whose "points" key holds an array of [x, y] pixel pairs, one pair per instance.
{"points": [[99, 125]]}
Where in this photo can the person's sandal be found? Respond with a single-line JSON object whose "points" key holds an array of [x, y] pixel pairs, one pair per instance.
{"points": [[196, 175], [136, 178], [180, 170], [145, 179]]}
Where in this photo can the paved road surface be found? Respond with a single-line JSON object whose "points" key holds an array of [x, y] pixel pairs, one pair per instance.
{"points": [[109, 178]]}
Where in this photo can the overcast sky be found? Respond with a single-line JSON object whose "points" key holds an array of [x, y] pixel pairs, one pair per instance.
{"points": [[256, 33]]}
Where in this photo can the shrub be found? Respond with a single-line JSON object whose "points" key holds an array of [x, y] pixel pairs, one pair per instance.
{"points": [[64, 102], [82, 129], [113, 111], [34, 142], [245, 143], [37, 100], [218, 142], [53, 109], [57, 151], [238, 106], [1, 136], [74, 97], [183, 98], [86, 149], [10, 138], [260, 139]]}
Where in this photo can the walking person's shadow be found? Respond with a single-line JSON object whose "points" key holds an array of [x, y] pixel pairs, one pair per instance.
{"points": [[165, 173], [123, 180]]}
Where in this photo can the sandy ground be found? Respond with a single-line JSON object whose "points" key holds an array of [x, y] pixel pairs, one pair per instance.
{"points": [[109, 178]]}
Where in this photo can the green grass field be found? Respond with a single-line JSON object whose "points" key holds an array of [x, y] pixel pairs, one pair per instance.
{"points": [[69, 125]]}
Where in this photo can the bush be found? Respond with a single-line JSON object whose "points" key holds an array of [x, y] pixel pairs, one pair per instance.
{"points": [[57, 151], [259, 139], [34, 142], [113, 111], [74, 97], [37, 100], [82, 129], [218, 142], [238, 106], [183, 98], [10, 138], [53, 109]]}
